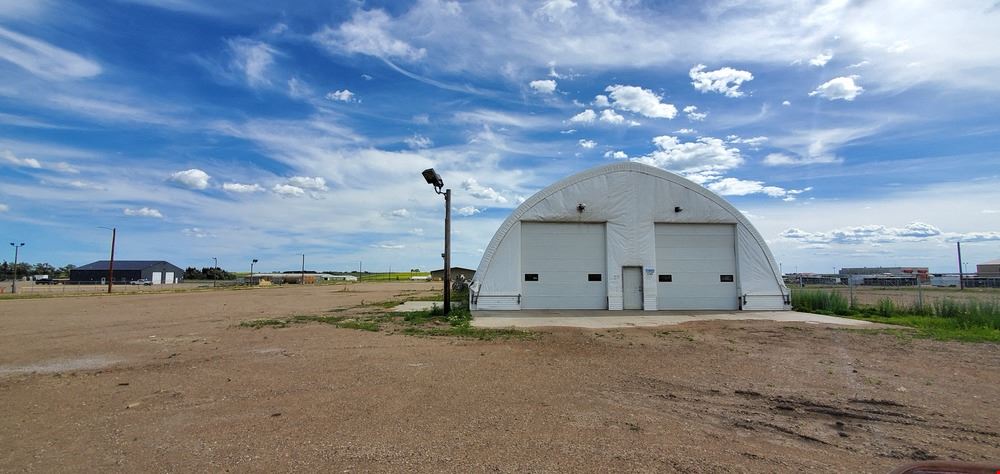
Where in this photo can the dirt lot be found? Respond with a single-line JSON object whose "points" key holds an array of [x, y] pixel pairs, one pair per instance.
{"points": [[170, 382]]}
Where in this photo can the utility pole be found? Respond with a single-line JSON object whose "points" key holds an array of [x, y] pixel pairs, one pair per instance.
{"points": [[303, 268], [447, 252], [215, 272], [961, 276], [13, 283], [111, 263]]}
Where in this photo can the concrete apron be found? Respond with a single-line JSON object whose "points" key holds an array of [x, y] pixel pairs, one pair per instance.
{"points": [[596, 319]]}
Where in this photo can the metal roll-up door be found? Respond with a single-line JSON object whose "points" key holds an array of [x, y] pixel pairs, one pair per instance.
{"points": [[563, 266], [696, 267]]}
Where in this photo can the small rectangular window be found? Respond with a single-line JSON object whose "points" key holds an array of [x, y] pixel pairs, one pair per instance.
{"points": [[594, 277], [530, 277], [666, 278], [726, 278]]}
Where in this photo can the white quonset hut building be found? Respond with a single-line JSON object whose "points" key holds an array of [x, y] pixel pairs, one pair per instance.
{"points": [[627, 236]]}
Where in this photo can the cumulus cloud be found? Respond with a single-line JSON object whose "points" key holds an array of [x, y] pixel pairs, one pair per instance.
{"points": [[740, 187], [418, 142], [786, 103], [143, 212], [242, 188], [367, 33], [612, 117], [13, 159], [192, 179], [400, 213], [843, 88], [706, 154], [305, 182], [821, 59], [726, 81], [341, 96], [974, 237], [617, 155], [252, 58], [877, 234], [588, 144], [41, 58], [641, 101], [587, 116], [287, 190], [601, 100], [479, 191], [687, 131], [693, 114], [544, 86], [467, 211]]}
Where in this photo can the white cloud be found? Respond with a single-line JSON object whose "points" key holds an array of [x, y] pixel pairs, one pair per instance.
{"points": [[544, 86], [554, 10], [821, 59], [706, 154], [305, 182], [839, 88], [587, 116], [687, 131], [601, 100], [43, 59], [242, 188], [389, 246], [754, 143], [784, 159], [467, 211], [974, 237], [252, 58], [858, 64], [725, 81], [618, 155], [641, 101], [400, 213], [367, 33], [898, 47], [422, 119], [869, 234], [4, 208], [612, 117], [588, 144], [341, 95], [418, 142], [86, 185], [417, 231], [991, 211], [693, 114], [193, 178], [740, 187], [478, 191], [298, 88], [143, 212], [786, 103], [196, 232], [287, 190], [367, 77], [13, 159]]}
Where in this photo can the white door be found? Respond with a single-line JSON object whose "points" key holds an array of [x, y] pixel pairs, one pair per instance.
{"points": [[696, 267], [169, 278], [157, 278], [563, 266], [632, 287]]}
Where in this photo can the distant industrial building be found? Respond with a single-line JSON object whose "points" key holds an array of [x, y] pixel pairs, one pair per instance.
{"points": [[457, 274], [158, 272], [900, 273], [296, 278], [989, 269]]}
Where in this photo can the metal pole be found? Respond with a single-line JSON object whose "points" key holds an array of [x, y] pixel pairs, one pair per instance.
{"points": [[215, 276], [447, 251], [13, 283], [111, 263], [961, 276], [303, 269]]}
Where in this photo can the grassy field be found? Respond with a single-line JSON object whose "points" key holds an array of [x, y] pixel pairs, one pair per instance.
{"points": [[960, 316]]}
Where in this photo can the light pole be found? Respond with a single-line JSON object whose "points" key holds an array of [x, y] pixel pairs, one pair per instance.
{"points": [[435, 180], [961, 277], [303, 281], [251, 270], [111, 263], [13, 283], [215, 272]]}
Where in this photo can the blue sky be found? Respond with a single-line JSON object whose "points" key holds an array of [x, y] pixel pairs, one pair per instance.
{"points": [[850, 133]]}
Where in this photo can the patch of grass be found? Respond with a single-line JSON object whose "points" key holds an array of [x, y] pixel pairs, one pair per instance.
{"points": [[265, 323], [812, 300]]}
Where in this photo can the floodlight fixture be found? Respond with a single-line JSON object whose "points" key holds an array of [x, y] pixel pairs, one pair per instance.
{"points": [[433, 179]]}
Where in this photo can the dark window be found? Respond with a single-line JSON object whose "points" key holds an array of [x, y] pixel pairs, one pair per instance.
{"points": [[726, 278], [666, 278], [530, 277], [594, 277]]}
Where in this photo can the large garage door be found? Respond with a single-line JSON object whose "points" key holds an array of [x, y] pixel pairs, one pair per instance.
{"points": [[563, 266], [696, 266]]}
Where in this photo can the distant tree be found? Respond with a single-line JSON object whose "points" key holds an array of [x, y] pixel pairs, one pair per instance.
{"points": [[216, 273], [43, 269], [63, 272], [192, 273]]}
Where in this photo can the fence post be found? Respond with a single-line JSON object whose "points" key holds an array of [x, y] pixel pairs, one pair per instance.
{"points": [[850, 285], [920, 297]]}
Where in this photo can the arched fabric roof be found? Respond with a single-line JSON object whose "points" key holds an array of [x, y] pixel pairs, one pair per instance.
{"points": [[758, 268]]}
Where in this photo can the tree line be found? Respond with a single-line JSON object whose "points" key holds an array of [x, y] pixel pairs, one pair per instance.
{"points": [[26, 269], [207, 273]]}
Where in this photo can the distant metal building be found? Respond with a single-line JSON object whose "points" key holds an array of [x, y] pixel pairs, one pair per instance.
{"points": [[989, 269], [457, 274], [920, 273], [158, 272]]}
